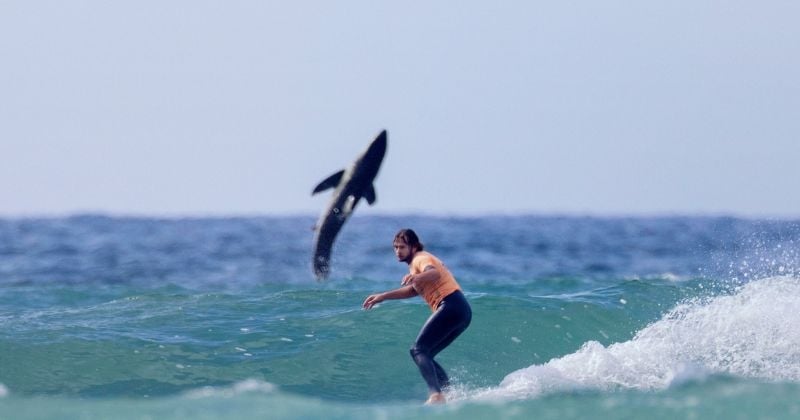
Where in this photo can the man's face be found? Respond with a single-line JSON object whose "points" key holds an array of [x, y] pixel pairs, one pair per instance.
{"points": [[402, 251]]}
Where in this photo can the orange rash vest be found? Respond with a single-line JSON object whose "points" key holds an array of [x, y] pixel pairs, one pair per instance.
{"points": [[433, 292]]}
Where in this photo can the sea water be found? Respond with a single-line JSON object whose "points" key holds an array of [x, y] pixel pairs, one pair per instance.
{"points": [[574, 317]]}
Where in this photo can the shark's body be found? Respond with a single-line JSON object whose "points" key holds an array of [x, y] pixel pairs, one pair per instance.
{"points": [[350, 186]]}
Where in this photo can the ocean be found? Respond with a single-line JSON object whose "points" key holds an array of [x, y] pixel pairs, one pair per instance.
{"points": [[574, 317]]}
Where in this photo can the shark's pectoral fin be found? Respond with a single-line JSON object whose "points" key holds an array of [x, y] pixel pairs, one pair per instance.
{"points": [[329, 182], [369, 194]]}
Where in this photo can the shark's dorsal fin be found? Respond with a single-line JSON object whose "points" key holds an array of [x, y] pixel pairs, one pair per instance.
{"points": [[329, 182], [369, 194]]}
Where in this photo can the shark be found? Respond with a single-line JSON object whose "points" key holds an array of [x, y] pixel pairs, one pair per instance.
{"points": [[350, 186]]}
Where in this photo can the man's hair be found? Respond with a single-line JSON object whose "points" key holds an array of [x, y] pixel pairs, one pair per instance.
{"points": [[410, 238]]}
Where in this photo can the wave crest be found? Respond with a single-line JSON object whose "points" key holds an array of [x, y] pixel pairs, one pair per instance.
{"points": [[750, 333]]}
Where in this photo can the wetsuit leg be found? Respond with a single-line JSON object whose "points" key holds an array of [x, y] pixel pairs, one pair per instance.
{"points": [[451, 318], [441, 375]]}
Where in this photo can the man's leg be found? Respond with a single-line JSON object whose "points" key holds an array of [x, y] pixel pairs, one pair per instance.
{"points": [[447, 323]]}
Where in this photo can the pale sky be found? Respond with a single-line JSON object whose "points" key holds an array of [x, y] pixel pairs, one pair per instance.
{"points": [[242, 107]]}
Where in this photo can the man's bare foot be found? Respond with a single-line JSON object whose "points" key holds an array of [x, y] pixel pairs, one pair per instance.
{"points": [[436, 398]]}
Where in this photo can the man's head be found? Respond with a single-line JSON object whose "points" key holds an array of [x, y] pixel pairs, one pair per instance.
{"points": [[406, 244]]}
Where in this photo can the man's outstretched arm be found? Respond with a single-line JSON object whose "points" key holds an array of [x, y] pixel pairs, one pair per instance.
{"points": [[404, 292]]}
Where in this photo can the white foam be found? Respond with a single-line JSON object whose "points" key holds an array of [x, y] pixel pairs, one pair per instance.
{"points": [[751, 333], [242, 387], [3, 391]]}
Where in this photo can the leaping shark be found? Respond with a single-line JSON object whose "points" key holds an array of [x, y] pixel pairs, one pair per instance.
{"points": [[351, 185]]}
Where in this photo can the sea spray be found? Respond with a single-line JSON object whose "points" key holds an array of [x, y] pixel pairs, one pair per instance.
{"points": [[750, 334]]}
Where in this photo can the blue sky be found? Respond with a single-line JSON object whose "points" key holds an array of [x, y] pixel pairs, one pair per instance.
{"points": [[228, 108]]}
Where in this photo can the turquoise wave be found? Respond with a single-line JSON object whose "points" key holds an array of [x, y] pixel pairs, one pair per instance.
{"points": [[655, 347], [126, 342]]}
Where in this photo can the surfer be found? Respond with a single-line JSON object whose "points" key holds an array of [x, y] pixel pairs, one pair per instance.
{"points": [[429, 278]]}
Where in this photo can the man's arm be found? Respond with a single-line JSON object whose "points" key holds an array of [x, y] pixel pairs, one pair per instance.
{"points": [[404, 292]]}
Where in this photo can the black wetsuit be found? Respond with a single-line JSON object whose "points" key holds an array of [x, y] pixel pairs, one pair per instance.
{"points": [[450, 319]]}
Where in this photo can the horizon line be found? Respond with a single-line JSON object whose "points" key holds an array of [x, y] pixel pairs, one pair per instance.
{"points": [[176, 215]]}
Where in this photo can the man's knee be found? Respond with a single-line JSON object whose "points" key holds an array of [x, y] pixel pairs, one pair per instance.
{"points": [[417, 350]]}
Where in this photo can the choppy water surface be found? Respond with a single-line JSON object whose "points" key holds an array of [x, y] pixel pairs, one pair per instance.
{"points": [[574, 317]]}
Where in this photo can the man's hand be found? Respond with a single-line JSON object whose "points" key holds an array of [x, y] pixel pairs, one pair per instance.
{"points": [[372, 300], [430, 273], [408, 279]]}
